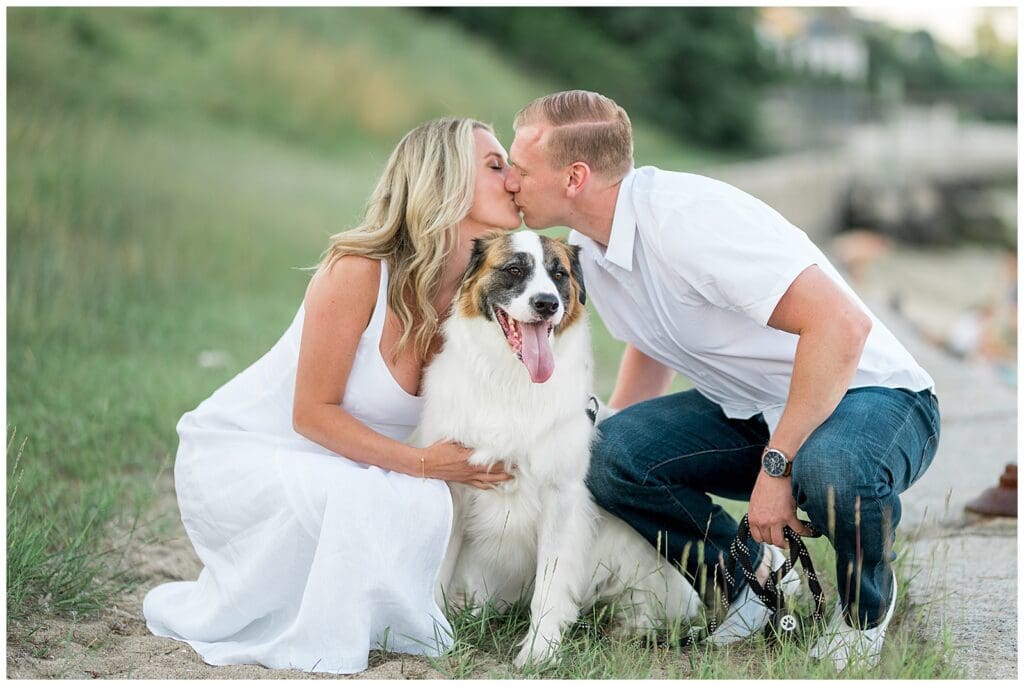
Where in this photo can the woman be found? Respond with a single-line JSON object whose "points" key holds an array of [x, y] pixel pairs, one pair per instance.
{"points": [[313, 559]]}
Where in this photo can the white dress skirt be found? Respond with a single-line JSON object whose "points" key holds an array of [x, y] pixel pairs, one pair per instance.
{"points": [[311, 560]]}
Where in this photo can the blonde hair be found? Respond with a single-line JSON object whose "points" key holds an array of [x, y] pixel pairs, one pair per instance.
{"points": [[586, 127], [411, 218]]}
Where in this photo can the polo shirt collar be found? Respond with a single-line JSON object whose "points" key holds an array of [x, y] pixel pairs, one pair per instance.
{"points": [[620, 241]]}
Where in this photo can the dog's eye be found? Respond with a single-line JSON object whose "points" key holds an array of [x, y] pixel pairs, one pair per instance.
{"points": [[558, 275], [514, 271]]}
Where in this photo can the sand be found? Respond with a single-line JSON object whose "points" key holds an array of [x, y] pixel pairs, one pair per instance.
{"points": [[117, 644]]}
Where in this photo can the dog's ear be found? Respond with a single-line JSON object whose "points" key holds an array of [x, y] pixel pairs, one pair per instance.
{"points": [[470, 301], [476, 257], [577, 271]]}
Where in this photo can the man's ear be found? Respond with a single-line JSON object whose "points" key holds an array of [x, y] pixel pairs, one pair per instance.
{"points": [[579, 176]]}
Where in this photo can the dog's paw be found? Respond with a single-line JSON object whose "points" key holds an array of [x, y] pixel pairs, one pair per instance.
{"points": [[536, 650], [465, 602]]}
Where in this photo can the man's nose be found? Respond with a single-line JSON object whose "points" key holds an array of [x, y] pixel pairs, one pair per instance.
{"points": [[512, 181]]}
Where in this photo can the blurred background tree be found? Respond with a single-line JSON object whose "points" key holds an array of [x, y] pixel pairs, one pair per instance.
{"points": [[982, 85], [695, 71], [703, 73]]}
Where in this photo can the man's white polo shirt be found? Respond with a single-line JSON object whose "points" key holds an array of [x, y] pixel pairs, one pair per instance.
{"points": [[693, 271]]}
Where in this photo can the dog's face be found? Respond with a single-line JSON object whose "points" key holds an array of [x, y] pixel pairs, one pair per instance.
{"points": [[531, 287]]}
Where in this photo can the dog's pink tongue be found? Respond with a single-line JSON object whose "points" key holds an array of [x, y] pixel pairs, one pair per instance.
{"points": [[537, 351]]}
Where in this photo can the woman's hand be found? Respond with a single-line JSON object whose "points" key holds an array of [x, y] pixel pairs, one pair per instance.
{"points": [[449, 461]]}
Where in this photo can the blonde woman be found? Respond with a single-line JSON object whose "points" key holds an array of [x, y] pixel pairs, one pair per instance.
{"points": [[320, 529]]}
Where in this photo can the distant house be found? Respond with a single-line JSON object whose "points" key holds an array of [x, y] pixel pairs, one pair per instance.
{"points": [[819, 41]]}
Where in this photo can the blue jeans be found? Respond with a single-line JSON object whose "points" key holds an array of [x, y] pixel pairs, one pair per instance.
{"points": [[656, 462]]}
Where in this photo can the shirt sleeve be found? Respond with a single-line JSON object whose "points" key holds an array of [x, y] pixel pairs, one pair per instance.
{"points": [[737, 252]]}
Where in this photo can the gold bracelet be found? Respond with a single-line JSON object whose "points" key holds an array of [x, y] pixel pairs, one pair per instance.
{"points": [[423, 468]]}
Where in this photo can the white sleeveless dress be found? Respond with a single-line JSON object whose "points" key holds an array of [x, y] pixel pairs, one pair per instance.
{"points": [[311, 559]]}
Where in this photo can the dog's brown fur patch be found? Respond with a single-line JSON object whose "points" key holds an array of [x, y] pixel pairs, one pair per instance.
{"points": [[497, 248], [574, 309]]}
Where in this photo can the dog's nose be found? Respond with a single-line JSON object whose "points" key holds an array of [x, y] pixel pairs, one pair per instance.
{"points": [[544, 304]]}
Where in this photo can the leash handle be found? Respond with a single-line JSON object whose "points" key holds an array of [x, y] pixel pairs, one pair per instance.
{"points": [[771, 592]]}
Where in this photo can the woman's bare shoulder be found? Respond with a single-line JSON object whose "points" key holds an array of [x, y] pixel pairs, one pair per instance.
{"points": [[350, 283]]}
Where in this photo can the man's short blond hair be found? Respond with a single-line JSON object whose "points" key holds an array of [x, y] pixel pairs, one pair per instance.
{"points": [[586, 127]]}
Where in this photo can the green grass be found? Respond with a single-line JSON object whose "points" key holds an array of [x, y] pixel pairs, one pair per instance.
{"points": [[115, 285], [168, 173], [488, 640]]}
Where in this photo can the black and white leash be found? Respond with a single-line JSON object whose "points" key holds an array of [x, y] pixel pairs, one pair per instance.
{"points": [[784, 622]]}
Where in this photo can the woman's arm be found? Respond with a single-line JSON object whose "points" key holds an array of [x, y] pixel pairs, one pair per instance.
{"points": [[640, 378], [339, 304]]}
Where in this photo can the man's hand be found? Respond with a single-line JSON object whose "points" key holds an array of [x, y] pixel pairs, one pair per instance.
{"points": [[771, 509]]}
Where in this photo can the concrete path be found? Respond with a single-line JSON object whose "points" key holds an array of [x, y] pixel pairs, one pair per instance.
{"points": [[965, 567]]}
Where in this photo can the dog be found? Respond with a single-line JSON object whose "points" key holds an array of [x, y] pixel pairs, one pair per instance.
{"points": [[512, 381]]}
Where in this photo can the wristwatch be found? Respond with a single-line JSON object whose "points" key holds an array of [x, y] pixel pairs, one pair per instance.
{"points": [[775, 463]]}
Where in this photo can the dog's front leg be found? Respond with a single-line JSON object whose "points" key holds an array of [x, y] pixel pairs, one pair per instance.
{"points": [[564, 535]]}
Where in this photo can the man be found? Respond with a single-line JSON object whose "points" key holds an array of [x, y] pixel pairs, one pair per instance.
{"points": [[801, 396]]}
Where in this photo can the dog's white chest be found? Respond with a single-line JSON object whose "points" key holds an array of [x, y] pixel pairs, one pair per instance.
{"points": [[509, 510], [500, 530]]}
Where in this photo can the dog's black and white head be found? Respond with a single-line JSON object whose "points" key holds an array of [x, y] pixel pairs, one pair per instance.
{"points": [[531, 287]]}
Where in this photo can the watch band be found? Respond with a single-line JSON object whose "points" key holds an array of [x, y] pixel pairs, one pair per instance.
{"points": [[789, 467]]}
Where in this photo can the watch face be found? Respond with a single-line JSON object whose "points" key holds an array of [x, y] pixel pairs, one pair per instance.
{"points": [[774, 463]]}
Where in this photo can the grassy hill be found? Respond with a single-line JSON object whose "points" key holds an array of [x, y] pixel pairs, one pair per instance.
{"points": [[169, 170]]}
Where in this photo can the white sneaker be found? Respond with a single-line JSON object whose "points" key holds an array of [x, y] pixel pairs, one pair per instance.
{"points": [[747, 615], [844, 645]]}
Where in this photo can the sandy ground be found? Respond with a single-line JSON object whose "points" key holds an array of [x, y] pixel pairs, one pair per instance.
{"points": [[117, 644], [936, 287]]}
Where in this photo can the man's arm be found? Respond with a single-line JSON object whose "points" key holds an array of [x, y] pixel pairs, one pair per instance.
{"points": [[832, 331], [640, 378]]}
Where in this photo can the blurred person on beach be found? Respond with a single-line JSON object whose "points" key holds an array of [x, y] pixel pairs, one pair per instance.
{"points": [[983, 333], [320, 530], [987, 331], [801, 396]]}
